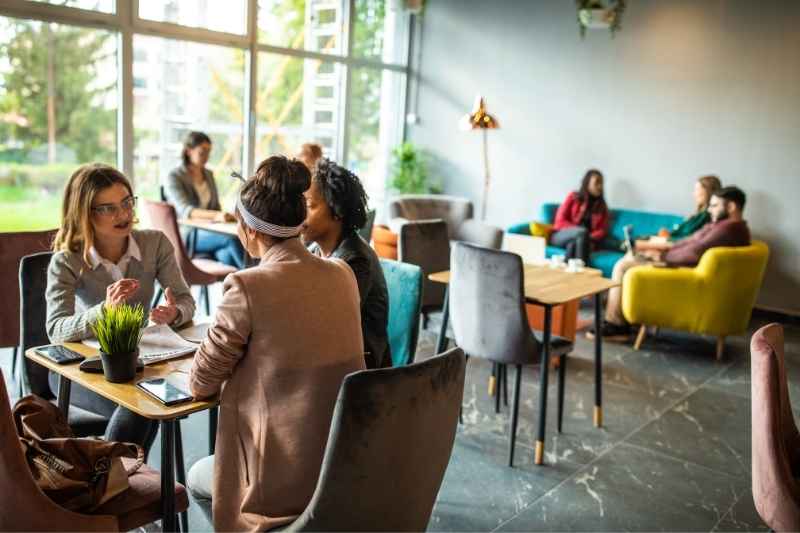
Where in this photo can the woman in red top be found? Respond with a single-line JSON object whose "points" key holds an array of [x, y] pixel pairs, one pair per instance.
{"points": [[582, 220]]}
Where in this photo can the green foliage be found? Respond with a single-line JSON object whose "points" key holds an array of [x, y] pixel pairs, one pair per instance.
{"points": [[119, 328], [409, 172], [48, 177], [71, 58]]}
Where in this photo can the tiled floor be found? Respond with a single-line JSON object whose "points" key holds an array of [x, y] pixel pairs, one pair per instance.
{"points": [[674, 452]]}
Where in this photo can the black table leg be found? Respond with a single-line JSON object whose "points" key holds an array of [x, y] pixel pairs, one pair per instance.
{"points": [[64, 389], [598, 361], [441, 343], [180, 472], [213, 418], [168, 522], [544, 369], [512, 438]]}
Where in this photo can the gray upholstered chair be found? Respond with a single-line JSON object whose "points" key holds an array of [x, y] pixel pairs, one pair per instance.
{"points": [[775, 439], [487, 312], [425, 243], [33, 332], [453, 210], [479, 233], [376, 476]]}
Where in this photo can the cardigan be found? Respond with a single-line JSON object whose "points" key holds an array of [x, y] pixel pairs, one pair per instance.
{"points": [[76, 291]]}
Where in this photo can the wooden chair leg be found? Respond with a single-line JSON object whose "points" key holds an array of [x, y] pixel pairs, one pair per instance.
{"points": [[640, 337], [720, 348]]}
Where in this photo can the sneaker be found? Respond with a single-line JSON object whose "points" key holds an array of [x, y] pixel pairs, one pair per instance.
{"points": [[612, 332]]}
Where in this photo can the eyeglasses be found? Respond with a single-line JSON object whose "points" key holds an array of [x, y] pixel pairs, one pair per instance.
{"points": [[112, 210]]}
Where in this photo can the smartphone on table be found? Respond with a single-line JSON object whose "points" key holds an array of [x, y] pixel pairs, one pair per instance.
{"points": [[59, 354], [164, 391]]}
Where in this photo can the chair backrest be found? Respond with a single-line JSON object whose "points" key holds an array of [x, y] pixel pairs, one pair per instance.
{"points": [[404, 282], [487, 305], [775, 439], [452, 209], [477, 232], [425, 243], [13, 247], [25, 507], [530, 249], [389, 445], [162, 217], [33, 320], [366, 231]]}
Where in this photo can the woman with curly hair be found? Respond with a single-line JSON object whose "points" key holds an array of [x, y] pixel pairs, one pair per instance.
{"points": [[336, 207]]}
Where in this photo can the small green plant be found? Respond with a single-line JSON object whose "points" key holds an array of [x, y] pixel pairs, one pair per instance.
{"points": [[119, 328], [409, 171]]}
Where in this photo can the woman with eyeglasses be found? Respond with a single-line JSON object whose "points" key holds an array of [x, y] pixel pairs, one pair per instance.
{"points": [[100, 261], [192, 190]]}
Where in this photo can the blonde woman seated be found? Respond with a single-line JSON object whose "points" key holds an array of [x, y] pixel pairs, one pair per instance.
{"points": [[101, 261], [284, 336]]}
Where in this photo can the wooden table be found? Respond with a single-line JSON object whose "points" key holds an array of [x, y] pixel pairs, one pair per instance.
{"points": [[550, 287], [131, 397], [225, 228]]}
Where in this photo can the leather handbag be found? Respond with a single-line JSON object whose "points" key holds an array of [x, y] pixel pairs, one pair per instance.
{"points": [[80, 474]]}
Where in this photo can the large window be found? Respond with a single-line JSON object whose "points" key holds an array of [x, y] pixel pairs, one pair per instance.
{"points": [[179, 87], [58, 109], [97, 80]]}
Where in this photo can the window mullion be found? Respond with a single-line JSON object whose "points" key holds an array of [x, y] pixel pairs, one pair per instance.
{"points": [[251, 89]]}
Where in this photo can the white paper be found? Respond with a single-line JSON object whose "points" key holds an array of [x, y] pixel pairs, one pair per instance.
{"points": [[158, 343]]}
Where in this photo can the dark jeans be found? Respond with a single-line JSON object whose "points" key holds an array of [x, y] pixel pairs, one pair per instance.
{"points": [[225, 248], [576, 240], [123, 425]]}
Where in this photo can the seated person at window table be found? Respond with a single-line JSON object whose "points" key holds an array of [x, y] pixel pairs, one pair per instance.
{"points": [[192, 190], [337, 207], [101, 261], [309, 154], [285, 335], [727, 228], [704, 187], [582, 220]]}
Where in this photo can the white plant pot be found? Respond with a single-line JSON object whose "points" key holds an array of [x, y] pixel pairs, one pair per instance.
{"points": [[596, 18]]}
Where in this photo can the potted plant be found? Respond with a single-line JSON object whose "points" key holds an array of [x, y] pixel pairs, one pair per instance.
{"points": [[118, 330], [605, 14], [409, 171]]}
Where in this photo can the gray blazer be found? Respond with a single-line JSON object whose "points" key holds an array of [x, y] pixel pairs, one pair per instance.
{"points": [[180, 191], [75, 292]]}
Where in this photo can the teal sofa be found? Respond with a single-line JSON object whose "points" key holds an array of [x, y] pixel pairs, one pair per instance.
{"points": [[643, 223]]}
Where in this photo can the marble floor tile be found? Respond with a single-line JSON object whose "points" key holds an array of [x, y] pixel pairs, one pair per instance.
{"points": [[633, 489], [742, 516], [709, 427]]}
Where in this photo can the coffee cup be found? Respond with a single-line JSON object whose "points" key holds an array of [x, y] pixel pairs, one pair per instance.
{"points": [[557, 261], [575, 265]]}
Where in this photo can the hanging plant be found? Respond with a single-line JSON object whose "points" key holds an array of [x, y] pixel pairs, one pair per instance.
{"points": [[600, 14]]}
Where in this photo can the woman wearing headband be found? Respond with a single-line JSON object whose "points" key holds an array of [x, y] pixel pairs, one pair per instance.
{"points": [[284, 336]]}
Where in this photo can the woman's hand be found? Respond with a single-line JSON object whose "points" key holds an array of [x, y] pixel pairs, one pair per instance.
{"points": [[118, 292], [165, 314], [222, 216]]}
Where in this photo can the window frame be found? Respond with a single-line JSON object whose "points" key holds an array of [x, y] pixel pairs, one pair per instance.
{"points": [[125, 21]]}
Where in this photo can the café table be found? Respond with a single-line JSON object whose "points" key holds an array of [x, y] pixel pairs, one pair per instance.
{"points": [[550, 287], [131, 397]]}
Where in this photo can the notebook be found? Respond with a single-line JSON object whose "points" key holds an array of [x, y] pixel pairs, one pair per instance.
{"points": [[158, 343]]}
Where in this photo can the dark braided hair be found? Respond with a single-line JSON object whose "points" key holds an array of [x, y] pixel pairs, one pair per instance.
{"points": [[275, 193], [344, 194]]}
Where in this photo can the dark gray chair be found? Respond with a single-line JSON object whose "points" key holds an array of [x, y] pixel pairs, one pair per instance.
{"points": [[479, 233], [366, 231], [375, 475], [92, 417], [487, 312], [452, 209], [425, 243]]}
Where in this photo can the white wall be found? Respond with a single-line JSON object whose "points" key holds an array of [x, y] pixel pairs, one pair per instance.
{"points": [[687, 87]]}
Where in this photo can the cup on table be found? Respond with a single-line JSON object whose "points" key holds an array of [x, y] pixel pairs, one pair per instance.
{"points": [[575, 265], [557, 261]]}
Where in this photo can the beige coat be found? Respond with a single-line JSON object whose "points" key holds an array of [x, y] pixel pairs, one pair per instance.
{"points": [[285, 335]]}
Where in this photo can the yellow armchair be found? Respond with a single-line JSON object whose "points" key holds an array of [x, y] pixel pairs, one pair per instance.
{"points": [[715, 298]]}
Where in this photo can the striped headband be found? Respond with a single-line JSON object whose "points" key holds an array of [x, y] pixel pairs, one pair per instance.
{"points": [[262, 226]]}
